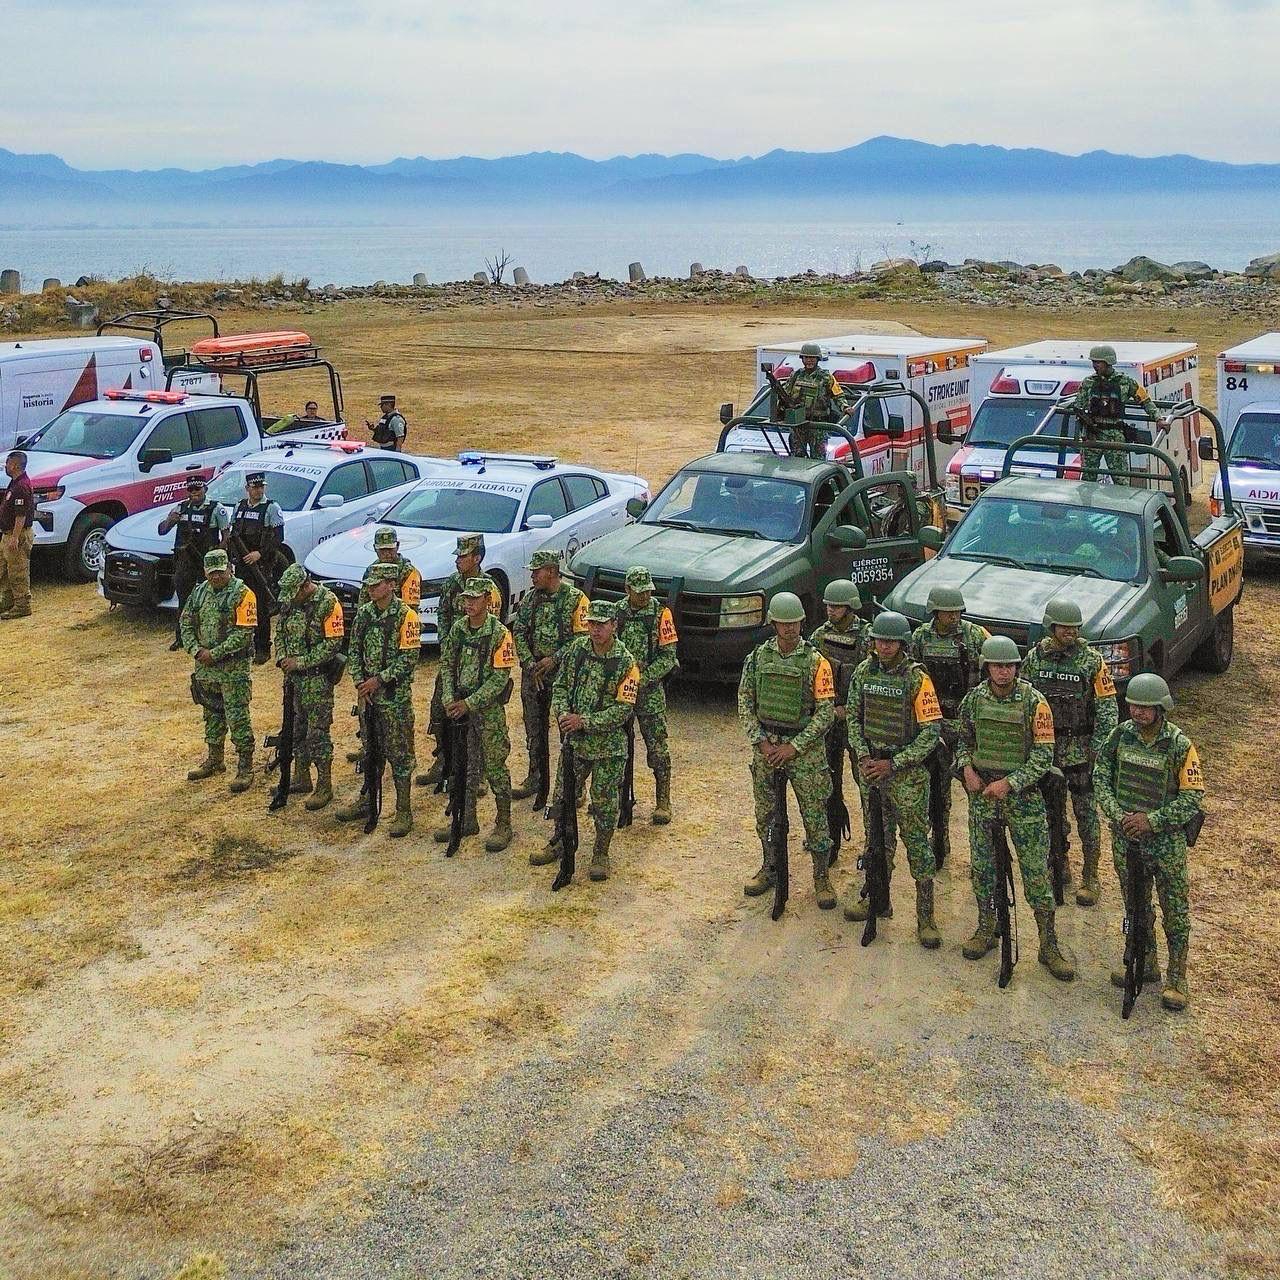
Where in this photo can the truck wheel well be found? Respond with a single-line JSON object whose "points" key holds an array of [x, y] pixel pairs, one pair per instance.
{"points": [[1157, 658], [114, 510]]}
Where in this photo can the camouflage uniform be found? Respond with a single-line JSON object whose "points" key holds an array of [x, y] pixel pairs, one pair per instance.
{"points": [[408, 588], [1021, 757], [790, 698], [312, 633], [1100, 406], [384, 643], [819, 398]]}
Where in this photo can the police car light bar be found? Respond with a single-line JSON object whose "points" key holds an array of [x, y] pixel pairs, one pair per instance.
{"points": [[476, 458], [150, 397]]}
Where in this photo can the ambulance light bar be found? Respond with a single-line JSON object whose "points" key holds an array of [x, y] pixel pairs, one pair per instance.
{"points": [[1239, 366], [1005, 386], [150, 397]]}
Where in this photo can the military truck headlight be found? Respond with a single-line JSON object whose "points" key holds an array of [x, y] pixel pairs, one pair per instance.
{"points": [[741, 611], [1122, 656]]}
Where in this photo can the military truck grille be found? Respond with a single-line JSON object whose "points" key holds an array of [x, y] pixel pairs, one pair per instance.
{"points": [[1020, 635], [692, 612]]}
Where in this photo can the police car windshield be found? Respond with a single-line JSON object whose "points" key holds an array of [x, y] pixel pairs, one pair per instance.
{"points": [[289, 492], [89, 435], [458, 510], [1050, 536], [1256, 439], [1000, 422], [716, 502]]}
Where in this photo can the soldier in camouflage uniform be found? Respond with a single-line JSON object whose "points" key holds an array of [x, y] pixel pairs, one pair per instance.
{"points": [[786, 706], [386, 546], [947, 646], [1099, 405], [549, 619], [893, 723], [309, 635], [595, 692], [648, 631], [1150, 787], [1005, 748], [1076, 681], [476, 663], [217, 625], [382, 657], [815, 396]]}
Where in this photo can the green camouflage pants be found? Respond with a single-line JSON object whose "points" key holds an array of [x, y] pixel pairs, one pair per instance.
{"points": [[906, 808], [1028, 832], [312, 719], [1084, 805], [657, 751], [811, 782], [1165, 857], [605, 776], [235, 690], [489, 745], [1095, 447], [395, 714]]}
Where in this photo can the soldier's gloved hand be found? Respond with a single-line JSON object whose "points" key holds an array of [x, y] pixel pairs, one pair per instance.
{"points": [[1135, 825]]}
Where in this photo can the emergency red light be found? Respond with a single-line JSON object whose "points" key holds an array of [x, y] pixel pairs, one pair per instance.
{"points": [[1233, 366], [782, 371], [347, 446], [1070, 388], [145, 354], [165, 397], [863, 373], [1004, 386]]}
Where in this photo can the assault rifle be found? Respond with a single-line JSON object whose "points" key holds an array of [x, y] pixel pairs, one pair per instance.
{"points": [[939, 783], [875, 861], [838, 824], [1137, 923], [1005, 900], [1053, 786], [255, 577], [779, 836], [283, 744], [542, 744], [627, 807], [374, 762], [566, 828], [459, 777], [785, 402]]}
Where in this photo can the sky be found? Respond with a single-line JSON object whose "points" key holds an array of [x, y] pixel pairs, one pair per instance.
{"points": [[107, 84]]}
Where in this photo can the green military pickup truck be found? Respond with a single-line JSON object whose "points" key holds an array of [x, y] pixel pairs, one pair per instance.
{"points": [[1154, 597], [730, 529]]}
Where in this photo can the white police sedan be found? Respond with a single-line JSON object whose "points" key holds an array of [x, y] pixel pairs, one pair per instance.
{"points": [[321, 488], [520, 502]]}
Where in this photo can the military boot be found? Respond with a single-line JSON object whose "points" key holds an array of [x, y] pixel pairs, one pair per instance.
{"points": [[402, 823], [1050, 956], [16, 611], [926, 929], [500, 837], [984, 936], [856, 906], [823, 893], [356, 811], [323, 793], [662, 802], [354, 757], [1150, 969], [599, 869], [1087, 893], [470, 827], [6, 603], [301, 784], [529, 787], [549, 853], [1174, 995], [433, 775], [762, 881], [211, 764], [244, 772]]}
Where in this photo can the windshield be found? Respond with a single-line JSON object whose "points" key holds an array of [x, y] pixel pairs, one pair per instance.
{"points": [[290, 492], [1256, 439], [1050, 536], [714, 502], [1000, 422], [458, 510], [90, 435]]}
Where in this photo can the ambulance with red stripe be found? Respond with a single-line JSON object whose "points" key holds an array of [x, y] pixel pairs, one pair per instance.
{"points": [[1015, 390], [935, 368]]}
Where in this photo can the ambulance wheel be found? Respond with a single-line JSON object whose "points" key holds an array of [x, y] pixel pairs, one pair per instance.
{"points": [[1215, 654], [86, 552]]}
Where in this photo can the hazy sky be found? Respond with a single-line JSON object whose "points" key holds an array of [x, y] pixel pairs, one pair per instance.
{"points": [[198, 83]]}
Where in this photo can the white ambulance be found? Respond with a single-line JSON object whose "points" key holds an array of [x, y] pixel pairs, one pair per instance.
{"points": [[935, 368], [1249, 407], [1015, 390]]}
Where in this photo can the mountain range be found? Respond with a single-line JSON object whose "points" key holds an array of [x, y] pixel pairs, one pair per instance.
{"points": [[44, 188]]}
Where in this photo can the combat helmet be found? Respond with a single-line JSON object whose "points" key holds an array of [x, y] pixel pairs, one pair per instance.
{"points": [[786, 607], [999, 649], [843, 591], [946, 599], [811, 349], [1149, 690], [1063, 613], [1104, 351], [891, 626]]}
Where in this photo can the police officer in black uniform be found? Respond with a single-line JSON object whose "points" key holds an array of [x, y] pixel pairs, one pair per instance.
{"points": [[390, 431], [201, 524], [256, 541]]}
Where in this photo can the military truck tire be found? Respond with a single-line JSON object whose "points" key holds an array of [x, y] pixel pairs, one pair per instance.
{"points": [[86, 547], [1214, 655]]}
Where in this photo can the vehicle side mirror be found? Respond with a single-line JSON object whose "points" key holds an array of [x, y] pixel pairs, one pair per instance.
{"points": [[149, 458], [636, 507], [848, 537], [21, 442], [895, 428], [930, 537], [1181, 569], [330, 500], [1205, 448], [539, 522], [726, 412], [944, 433], [766, 366]]}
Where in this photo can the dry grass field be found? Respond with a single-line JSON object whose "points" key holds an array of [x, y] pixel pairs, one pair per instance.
{"points": [[220, 1031]]}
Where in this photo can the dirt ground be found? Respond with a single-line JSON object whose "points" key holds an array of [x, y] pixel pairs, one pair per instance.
{"points": [[225, 1032]]}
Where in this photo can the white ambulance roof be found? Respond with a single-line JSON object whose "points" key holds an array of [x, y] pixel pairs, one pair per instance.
{"points": [[881, 344], [1076, 351], [1264, 347], [68, 346]]}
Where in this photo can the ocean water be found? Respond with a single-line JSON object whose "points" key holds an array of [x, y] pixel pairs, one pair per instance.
{"points": [[551, 245]]}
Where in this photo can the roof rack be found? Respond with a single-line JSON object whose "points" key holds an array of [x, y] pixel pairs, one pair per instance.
{"points": [[152, 323], [480, 458]]}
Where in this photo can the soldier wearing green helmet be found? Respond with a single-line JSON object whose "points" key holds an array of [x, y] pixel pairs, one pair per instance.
{"points": [[786, 705], [1151, 788], [947, 646], [1099, 405], [1076, 681], [893, 723], [1005, 747], [814, 396]]}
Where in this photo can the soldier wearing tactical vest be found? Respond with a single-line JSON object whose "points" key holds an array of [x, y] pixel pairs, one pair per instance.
{"points": [[1005, 748], [1099, 405], [200, 525], [947, 646], [255, 538], [476, 663], [893, 722], [386, 546], [648, 631], [1150, 786], [786, 705], [1076, 680], [814, 396]]}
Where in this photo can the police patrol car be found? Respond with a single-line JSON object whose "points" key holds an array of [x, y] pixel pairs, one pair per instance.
{"points": [[522, 503], [321, 488]]}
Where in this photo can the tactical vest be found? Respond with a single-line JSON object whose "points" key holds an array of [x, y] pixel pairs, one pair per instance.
{"points": [[1002, 736], [843, 649], [564, 626], [388, 626], [615, 668], [249, 523], [482, 640], [195, 528], [1070, 698], [888, 720], [639, 623], [950, 667], [382, 433], [1144, 777], [784, 691], [1105, 402], [331, 670], [226, 601]]}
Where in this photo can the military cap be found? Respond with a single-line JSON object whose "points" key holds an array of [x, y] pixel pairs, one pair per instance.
{"points": [[1106, 352], [1149, 690], [640, 579], [544, 559], [999, 649], [891, 626], [948, 599], [786, 607], [382, 573], [843, 591], [216, 560], [1063, 613], [480, 585], [197, 482], [385, 537], [469, 544], [387, 397], [292, 580], [256, 477], [601, 611]]}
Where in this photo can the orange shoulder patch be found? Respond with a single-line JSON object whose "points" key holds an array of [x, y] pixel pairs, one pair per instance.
{"points": [[334, 627], [927, 708], [1190, 778], [247, 609], [629, 686], [410, 631], [504, 652], [666, 628], [824, 682], [1103, 685], [411, 589], [580, 615], [1042, 728]]}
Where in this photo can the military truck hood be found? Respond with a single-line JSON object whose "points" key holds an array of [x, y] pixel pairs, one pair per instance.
{"points": [[995, 592], [707, 561]]}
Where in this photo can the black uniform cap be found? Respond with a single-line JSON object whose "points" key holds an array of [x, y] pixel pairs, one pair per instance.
{"points": [[256, 477]]}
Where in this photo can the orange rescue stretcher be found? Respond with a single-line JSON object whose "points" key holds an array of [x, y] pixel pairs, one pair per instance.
{"points": [[253, 350]]}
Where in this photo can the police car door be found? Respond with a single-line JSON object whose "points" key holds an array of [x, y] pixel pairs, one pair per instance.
{"points": [[547, 521], [878, 512]]}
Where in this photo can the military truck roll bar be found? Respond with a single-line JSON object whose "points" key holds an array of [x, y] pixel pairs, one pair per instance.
{"points": [[296, 358], [152, 324]]}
